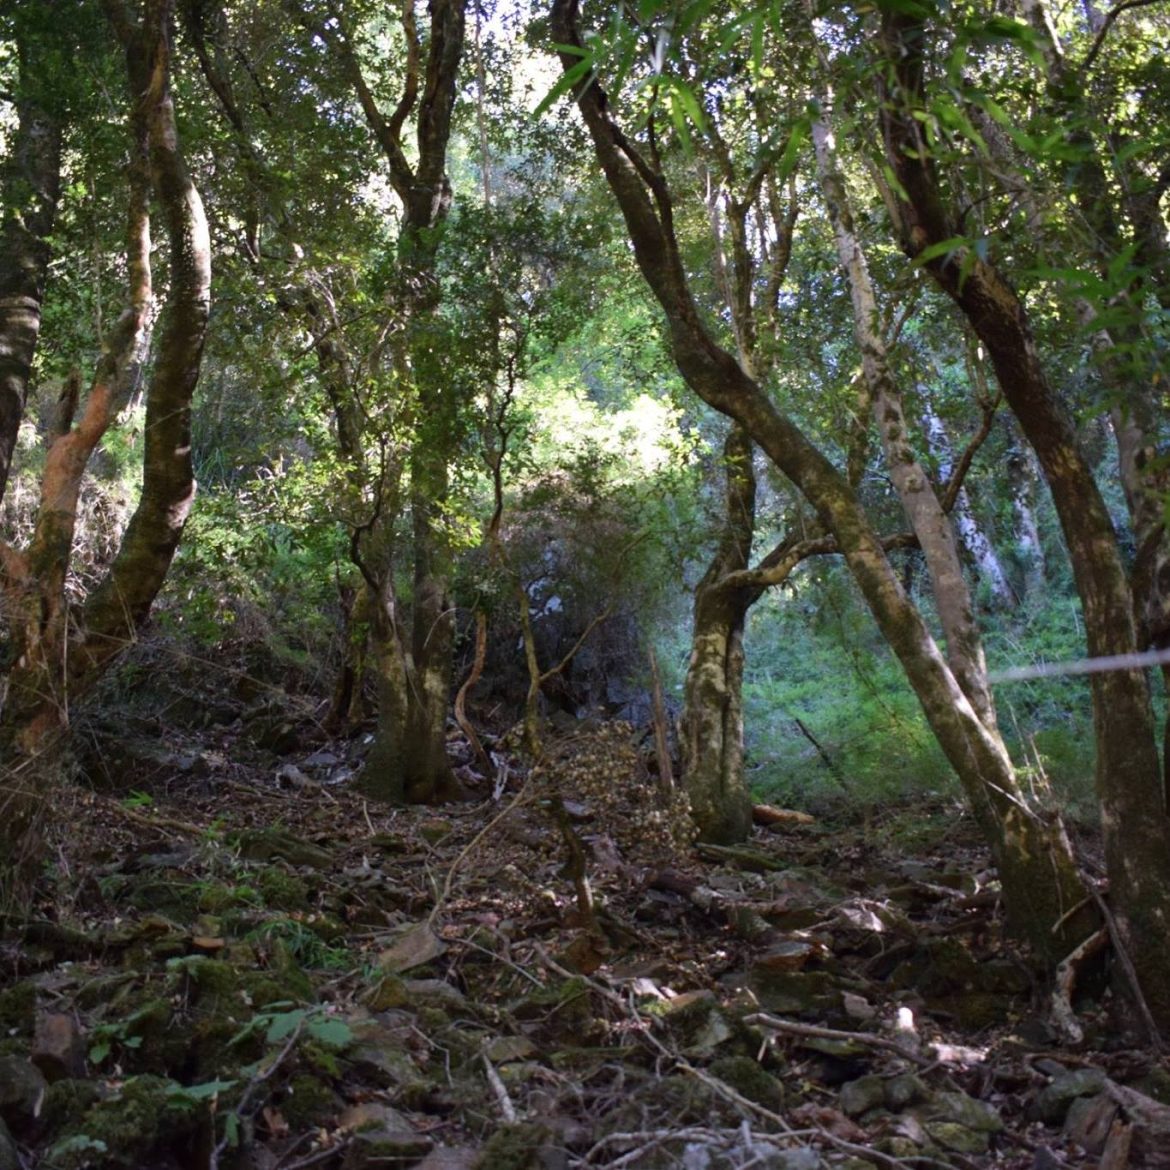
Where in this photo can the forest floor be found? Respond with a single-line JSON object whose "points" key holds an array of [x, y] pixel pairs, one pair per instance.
{"points": [[237, 961]]}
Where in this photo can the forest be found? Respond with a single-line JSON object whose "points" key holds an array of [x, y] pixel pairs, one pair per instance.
{"points": [[584, 585]]}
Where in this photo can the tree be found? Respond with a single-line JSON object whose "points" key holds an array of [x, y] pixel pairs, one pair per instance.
{"points": [[1128, 773], [56, 654], [1039, 877], [31, 181]]}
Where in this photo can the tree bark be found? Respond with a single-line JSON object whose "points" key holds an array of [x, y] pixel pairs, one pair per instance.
{"points": [[1039, 886], [1128, 772], [410, 758], [711, 729], [57, 658], [31, 181]]}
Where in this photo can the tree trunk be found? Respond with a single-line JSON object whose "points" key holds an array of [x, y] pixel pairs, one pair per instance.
{"points": [[1029, 552], [967, 528], [1128, 771], [711, 729], [31, 187], [1039, 888], [57, 659]]}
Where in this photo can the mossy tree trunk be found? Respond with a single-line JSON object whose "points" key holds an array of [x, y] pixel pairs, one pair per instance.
{"points": [[415, 657], [1038, 888], [711, 728]]}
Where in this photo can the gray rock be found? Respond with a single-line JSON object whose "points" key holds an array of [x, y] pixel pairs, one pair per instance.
{"points": [[22, 1090], [903, 1090], [1052, 1105], [862, 1095], [952, 1136], [966, 1111]]}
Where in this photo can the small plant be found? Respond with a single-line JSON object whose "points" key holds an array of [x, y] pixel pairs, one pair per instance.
{"points": [[302, 942]]}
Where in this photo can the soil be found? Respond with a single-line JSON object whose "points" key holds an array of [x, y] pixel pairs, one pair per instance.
{"points": [[236, 960]]}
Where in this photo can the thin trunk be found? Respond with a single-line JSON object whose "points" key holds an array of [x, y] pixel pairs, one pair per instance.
{"points": [[1128, 771], [1029, 552], [31, 181], [1039, 886], [711, 729], [967, 528], [922, 506]]}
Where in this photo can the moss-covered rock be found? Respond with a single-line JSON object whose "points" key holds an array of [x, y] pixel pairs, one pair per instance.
{"points": [[514, 1147], [311, 1101], [18, 1006], [282, 889], [148, 1115], [746, 1077]]}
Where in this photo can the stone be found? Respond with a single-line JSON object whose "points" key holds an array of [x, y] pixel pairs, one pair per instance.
{"points": [[967, 1112], [1089, 1121], [1053, 1103], [371, 1148], [22, 1090], [862, 1095], [448, 1158], [952, 1136], [58, 1049], [903, 1090]]}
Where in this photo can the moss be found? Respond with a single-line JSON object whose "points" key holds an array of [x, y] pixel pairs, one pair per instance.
{"points": [[746, 1077], [146, 1116], [18, 1010], [311, 1101], [513, 1147], [282, 890], [284, 966], [65, 1101], [215, 898], [262, 990], [176, 899]]}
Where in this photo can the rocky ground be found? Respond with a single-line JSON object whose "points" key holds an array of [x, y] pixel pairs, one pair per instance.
{"points": [[235, 961]]}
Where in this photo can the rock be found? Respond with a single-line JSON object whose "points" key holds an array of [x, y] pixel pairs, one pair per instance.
{"points": [[799, 1159], [1053, 1103], [378, 1053], [952, 1136], [447, 1158], [372, 1148], [903, 1090], [18, 1010], [276, 844], [436, 993], [58, 1049], [794, 992], [746, 1077], [22, 1091], [862, 1095], [9, 1154], [966, 1111], [417, 946], [507, 1049], [1089, 1121]]}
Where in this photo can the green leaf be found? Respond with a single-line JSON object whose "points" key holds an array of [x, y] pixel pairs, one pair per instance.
{"points": [[99, 1051], [942, 248], [569, 79], [330, 1031], [200, 1092], [284, 1025]]}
